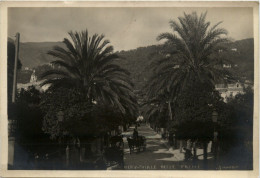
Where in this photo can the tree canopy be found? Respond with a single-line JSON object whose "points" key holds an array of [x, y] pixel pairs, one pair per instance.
{"points": [[192, 54], [86, 76], [88, 63], [193, 112]]}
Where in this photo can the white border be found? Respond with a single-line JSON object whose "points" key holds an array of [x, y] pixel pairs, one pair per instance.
{"points": [[174, 173]]}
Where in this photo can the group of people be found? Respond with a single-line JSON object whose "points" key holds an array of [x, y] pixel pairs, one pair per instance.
{"points": [[188, 149]]}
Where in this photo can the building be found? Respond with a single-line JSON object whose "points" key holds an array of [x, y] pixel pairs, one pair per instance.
{"points": [[227, 66], [33, 82], [27, 68], [229, 90], [33, 77], [234, 49], [176, 67], [51, 65]]}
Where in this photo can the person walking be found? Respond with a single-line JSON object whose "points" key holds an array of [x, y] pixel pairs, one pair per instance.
{"points": [[135, 134], [194, 147], [188, 153]]}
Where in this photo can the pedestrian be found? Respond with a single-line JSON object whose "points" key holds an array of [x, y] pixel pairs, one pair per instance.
{"points": [[189, 144], [194, 146], [171, 139], [188, 153], [135, 134], [174, 141]]}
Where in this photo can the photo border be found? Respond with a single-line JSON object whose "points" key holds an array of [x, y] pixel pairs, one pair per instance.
{"points": [[125, 173]]}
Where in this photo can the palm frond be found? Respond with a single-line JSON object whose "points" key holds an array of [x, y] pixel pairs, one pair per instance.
{"points": [[88, 63]]}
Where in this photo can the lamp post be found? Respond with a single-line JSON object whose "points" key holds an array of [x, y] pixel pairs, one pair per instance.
{"points": [[215, 135], [60, 116], [17, 43], [12, 122]]}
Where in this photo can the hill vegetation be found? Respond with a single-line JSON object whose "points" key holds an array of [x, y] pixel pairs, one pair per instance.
{"points": [[137, 61]]}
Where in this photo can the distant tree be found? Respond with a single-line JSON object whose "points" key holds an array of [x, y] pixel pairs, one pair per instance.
{"points": [[108, 118], [193, 113], [157, 110], [81, 119], [30, 96], [29, 115], [236, 131], [24, 76], [39, 70], [72, 103]]}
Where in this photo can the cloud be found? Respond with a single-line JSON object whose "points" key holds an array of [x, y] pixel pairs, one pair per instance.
{"points": [[126, 28]]}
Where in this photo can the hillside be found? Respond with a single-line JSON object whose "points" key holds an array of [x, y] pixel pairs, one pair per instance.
{"points": [[137, 61], [239, 52], [244, 57], [35, 54]]}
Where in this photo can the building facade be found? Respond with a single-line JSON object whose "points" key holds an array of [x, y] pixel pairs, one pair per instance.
{"points": [[229, 90]]}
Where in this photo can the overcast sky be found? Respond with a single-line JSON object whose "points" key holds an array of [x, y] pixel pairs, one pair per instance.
{"points": [[126, 28]]}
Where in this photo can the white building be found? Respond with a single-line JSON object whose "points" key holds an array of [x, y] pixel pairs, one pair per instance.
{"points": [[227, 66], [229, 90], [51, 65], [27, 68], [33, 82], [33, 77], [234, 49], [176, 67]]}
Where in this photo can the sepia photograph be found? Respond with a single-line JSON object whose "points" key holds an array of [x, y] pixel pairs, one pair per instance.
{"points": [[130, 88]]}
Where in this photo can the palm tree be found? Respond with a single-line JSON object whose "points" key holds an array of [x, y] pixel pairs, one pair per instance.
{"points": [[155, 110], [155, 106], [88, 63], [191, 55]]}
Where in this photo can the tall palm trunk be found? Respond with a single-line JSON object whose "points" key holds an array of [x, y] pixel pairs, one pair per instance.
{"points": [[85, 82], [170, 110], [205, 149], [205, 155], [195, 149], [181, 144]]}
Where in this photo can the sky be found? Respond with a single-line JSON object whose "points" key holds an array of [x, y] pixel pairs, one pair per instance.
{"points": [[125, 27]]}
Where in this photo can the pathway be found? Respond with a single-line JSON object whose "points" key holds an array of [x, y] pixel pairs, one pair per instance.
{"points": [[158, 155]]}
